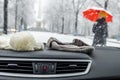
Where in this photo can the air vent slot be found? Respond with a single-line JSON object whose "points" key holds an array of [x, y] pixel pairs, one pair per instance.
{"points": [[71, 67], [19, 67], [16, 67]]}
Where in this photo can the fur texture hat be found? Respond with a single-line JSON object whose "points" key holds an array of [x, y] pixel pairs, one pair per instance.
{"points": [[24, 41], [21, 41]]}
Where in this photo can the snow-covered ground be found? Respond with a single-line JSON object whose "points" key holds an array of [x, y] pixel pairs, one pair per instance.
{"points": [[44, 36], [110, 42]]}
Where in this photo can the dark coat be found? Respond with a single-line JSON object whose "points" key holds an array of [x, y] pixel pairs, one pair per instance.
{"points": [[101, 33]]}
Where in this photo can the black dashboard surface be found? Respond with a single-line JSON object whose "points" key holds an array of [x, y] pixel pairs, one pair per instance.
{"points": [[45, 54], [105, 63]]}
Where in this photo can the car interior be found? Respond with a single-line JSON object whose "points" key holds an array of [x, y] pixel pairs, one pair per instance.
{"points": [[59, 47]]}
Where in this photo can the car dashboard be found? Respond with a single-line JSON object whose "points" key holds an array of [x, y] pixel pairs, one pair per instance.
{"points": [[60, 65]]}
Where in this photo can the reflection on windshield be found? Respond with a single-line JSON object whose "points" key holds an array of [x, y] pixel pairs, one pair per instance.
{"points": [[96, 22]]}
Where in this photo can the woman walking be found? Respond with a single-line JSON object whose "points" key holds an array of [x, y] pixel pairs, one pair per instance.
{"points": [[101, 32]]}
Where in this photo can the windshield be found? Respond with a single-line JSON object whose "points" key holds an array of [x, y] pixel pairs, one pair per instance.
{"points": [[95, 22]]}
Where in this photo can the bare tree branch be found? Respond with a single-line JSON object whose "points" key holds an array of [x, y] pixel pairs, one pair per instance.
{"points": [[73, 1], [106, 4], [98, 3], [80, 6], [5, 17]]}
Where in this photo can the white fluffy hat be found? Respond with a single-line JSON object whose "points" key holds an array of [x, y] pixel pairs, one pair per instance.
{"points": [[24, 41]]}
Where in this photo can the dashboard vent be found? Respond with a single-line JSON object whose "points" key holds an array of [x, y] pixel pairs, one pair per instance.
{"points": [[16, 67], [71, 67], [45, 68]]}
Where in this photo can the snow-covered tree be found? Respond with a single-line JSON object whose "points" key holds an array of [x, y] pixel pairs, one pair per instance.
{"points": [[25, 13], [54, 19], [19, 10]]}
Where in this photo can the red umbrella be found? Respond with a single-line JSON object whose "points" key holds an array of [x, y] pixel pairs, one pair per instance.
{"points": [[94, 14]]}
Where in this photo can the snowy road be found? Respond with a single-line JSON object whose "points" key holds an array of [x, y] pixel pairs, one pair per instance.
{"points": [[44, 36]]}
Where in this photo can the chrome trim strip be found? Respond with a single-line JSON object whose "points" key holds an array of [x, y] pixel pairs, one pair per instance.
{"points": [[45, 76]]}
